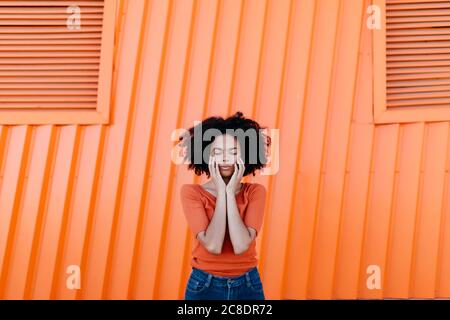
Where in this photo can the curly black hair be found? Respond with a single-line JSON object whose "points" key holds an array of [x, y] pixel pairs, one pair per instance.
{"points": [[237, 125]]}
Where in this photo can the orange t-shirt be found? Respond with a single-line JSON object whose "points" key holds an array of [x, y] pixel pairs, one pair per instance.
{"points": [[199, 205]]}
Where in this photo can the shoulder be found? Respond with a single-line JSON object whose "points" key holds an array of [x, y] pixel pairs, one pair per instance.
{"points": [[256, 189], [188, 189]]}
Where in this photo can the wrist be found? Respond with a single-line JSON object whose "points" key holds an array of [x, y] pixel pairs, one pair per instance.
{"points": [[221, 191], [229, 191]]}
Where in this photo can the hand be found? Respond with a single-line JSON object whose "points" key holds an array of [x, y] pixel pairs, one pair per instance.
{"points": [[235, 181], [215, 175]]}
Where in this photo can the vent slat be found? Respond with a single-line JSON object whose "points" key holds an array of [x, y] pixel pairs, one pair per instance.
{"points": [[48, 92], [47, 22], [40, 3], [49, 42], [421, 70], [42, 47], [48, 79], [412, 90], [418, 18], [48, 73], [419, 45], [419, 76], [416, 5], [47, 85], [429, 38], [42, 30], [48, 61], [62, 17], [42, 98], [58, 67], [422, 51], [33, 106], [422, 13], [418, 102], [50, 54], [48, 10], [424, 57], [418, 64], [421, 95], [416, 83]]}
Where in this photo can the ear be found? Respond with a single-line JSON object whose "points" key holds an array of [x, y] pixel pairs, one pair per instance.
{"points": [[252, 233]]}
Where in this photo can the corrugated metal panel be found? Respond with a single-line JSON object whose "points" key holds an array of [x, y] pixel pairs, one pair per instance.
{"points": [[349, 194]]}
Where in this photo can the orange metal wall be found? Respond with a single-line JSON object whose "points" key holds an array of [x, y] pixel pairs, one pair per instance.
{"points": [[348, 194]]}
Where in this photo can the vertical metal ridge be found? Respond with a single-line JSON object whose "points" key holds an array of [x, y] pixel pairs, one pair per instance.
{"points": [[31, 273], [236, 57], [66, 213], [320, 175], [125, 156], [303, 291], [444, 209], [25, 135], [347, 151], [92, 206], [392, 211], [170, 185]]}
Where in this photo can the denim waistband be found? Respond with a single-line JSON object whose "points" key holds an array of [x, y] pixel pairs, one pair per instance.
{"points": [[224, 281]]}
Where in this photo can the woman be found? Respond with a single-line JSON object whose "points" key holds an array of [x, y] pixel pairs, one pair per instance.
{"points": [[225, 214]]}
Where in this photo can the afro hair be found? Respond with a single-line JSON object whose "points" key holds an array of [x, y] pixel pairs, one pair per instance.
{"points": [[253, 153]]}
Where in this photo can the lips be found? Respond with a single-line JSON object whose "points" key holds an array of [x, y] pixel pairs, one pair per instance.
{"points": [[226, 167]]}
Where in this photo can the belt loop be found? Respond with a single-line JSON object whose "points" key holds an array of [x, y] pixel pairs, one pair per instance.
{"points": [[247, 277], [208, 281]]}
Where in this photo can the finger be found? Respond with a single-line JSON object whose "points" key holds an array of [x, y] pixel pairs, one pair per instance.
{"points": [[239, 161], [215, 168], [234, 173], [241, 165], [218, 170], [211, 167]]}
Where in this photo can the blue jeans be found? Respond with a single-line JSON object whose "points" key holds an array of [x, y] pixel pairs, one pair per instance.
{"points": [[202, 285]]}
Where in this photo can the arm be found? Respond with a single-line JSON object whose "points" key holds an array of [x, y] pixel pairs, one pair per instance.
{"points": [[241, 236], [212, 238]]}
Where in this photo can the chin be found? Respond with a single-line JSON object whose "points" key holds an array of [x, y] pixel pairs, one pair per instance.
{"points": [[226, 175]]}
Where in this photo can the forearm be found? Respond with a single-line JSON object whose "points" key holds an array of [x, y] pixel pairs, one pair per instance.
{"points": [[239, 235], [215, 233]]}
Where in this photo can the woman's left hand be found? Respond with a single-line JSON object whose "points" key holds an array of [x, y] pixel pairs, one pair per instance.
{"points": [[235, 181]]}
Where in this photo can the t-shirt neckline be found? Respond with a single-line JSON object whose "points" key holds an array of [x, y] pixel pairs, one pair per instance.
{"points": [[213, 196]]}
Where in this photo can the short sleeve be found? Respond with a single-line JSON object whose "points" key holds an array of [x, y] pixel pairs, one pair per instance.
{"points": [[194, 210], [255, 209]]}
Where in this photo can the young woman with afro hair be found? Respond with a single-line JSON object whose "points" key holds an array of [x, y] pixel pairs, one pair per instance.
{"points": [[224, 214]]}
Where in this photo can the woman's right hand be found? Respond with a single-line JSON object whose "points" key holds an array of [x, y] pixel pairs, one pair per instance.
{"points": [[215, 175]]}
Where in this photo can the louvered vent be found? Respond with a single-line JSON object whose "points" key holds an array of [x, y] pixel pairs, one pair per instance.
{"points": [[46, 62], [418, 53]]}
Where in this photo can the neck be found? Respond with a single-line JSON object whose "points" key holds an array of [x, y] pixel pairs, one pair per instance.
{"points": [[226, 179]]}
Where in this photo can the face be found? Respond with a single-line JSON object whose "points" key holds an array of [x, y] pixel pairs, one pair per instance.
{"points": [[225, 149]]}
